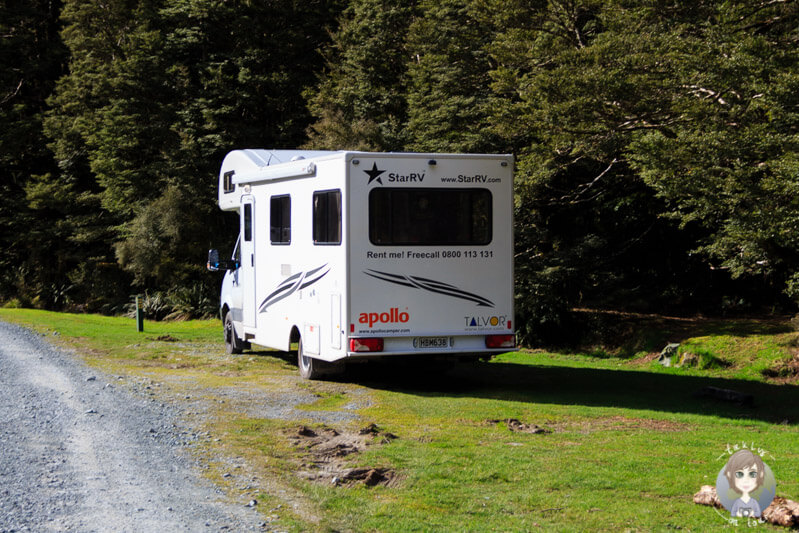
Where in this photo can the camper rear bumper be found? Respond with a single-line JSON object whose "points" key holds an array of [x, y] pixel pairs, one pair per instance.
{"points": [[489, 343]]}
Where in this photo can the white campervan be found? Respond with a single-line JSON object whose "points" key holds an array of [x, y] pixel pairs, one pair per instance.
{"points": [[355, 254]]}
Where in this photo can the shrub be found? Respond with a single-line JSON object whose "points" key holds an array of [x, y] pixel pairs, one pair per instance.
{"points": [[183, 303], [153, 306], [191, 302]]}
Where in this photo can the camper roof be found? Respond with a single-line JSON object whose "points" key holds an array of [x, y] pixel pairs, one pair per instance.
{"points": [[265, 158]]}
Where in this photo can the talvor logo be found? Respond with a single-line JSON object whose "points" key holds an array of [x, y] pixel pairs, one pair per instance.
{"points": [[374, 174]]}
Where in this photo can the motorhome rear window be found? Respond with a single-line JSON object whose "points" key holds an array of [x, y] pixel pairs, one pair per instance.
{"points": [[327, 217], [426, 217], [280, 219]]}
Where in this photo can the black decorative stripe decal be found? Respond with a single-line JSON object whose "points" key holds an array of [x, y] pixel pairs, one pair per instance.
{"points": [[292, 284], [292, 278], [438, 287], [391, 278], [439, 284], [310, 275]]}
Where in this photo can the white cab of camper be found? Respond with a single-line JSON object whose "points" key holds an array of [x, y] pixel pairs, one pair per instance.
{"points": [[357, 255]]}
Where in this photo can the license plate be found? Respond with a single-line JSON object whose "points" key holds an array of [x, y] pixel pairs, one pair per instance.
{"points": [[431, 342]]}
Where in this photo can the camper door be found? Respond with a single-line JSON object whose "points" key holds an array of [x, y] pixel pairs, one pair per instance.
{"points": [[247, 274]]}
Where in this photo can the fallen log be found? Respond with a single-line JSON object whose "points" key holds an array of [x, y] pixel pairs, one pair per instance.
{"points": [[727, 395]]}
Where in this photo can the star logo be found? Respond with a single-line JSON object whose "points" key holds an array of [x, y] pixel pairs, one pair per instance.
{"points": [[374, 174]]}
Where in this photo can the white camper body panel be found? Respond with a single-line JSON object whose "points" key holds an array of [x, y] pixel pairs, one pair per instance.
{"points": [[366, 279]]}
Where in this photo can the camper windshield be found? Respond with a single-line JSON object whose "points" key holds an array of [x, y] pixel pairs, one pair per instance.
{"points": [[430, 217]]}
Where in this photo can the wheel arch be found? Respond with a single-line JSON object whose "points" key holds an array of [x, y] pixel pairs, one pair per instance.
{"points": [[294, 336]]}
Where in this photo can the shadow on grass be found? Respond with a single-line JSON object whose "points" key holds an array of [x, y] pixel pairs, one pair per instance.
{"points": [[585, 386]]}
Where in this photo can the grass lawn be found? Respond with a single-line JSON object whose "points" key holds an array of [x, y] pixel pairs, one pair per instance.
{"points": [[622, 442]]}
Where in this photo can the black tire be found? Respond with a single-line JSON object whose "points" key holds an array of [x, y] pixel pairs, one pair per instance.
{"points": [[310, 368], [233, 344]]}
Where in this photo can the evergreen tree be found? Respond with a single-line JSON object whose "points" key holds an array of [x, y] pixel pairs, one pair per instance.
{"points": [[157, 93], [576, 83], [449, 86], [656, 142], [730, 165], [32, 57], [100, 37], [360, 102], [232, 75]]}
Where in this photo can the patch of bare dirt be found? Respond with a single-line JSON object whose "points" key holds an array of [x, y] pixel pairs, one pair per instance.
{"points": [[646, 359], [517, 426], [785, 371], [329, 451], [178, 366], [622, 423], [164, 338], [370, 476]]}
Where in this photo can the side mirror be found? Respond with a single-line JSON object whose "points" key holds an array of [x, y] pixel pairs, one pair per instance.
{"points": [[214, 263], [213, 260]]}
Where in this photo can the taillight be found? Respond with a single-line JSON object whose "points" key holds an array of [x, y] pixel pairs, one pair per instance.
{"points": [[500, 341], [366, 345]]}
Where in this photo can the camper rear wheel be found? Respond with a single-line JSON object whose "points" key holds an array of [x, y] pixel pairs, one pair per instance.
{"points": [[233, 344], [310, 368]]}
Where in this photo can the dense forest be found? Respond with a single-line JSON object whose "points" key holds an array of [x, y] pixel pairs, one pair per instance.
{"points": [[656, 140]]}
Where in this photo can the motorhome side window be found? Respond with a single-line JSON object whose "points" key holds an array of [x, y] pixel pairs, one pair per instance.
{"points": [[280, 219], [455, 217], [327, 217], [247, 222], [227, 182]]}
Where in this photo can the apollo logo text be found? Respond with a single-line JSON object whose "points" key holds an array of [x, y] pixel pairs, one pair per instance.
{"points": [[392, 316]]}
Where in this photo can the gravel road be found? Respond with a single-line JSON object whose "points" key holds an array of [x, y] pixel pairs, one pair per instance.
{"points": [[82, 451]]}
